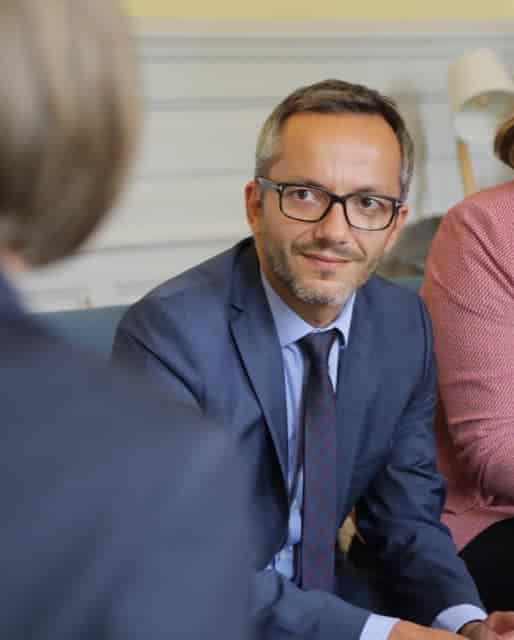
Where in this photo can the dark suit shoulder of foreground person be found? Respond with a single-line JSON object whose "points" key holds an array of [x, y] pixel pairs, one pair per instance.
{"points": [[123, 514]]}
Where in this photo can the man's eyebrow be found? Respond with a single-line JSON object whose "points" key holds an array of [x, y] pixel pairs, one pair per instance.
{"points": [[370, 190], [309, 182]]}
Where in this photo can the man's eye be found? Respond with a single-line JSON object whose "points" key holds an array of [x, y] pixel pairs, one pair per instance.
{"points": [[367, 202], [302, 194]]}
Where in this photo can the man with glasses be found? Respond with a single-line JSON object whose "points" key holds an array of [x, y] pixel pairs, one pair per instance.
{"points": [[324, 372]]}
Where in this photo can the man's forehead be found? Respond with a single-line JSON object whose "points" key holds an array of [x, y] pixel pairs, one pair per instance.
{"points": [[350, 139], [311, 125], [327, 147]]}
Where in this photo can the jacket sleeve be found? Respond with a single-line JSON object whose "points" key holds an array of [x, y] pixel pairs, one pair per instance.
{"points": [[399, 514], [148, 342], [282, 611], [469, 291]]}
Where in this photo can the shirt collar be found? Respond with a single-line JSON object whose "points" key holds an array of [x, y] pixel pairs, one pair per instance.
{"points": [[291, 327]]}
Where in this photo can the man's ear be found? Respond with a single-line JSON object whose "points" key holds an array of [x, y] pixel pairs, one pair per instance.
{"points": [[398, 224], [253, 202]]}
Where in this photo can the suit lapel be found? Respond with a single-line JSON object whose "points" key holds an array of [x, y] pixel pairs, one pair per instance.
{"points": [[255, 335], [358, 376]]}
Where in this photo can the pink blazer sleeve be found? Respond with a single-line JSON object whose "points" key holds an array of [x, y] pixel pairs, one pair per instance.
{"points": [[469, 291]]}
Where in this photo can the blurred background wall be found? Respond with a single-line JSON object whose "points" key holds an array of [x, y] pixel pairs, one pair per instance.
{"points": [[375, 10]]}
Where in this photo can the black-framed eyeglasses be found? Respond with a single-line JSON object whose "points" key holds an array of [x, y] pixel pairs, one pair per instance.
{"points": [[362, 210]]}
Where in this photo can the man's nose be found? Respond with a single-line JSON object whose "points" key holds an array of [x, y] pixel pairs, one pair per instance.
{"points": [[334, 223]]}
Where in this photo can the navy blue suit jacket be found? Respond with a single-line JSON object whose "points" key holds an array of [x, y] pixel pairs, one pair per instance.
{"points": [[209, 336], [123, 514]]}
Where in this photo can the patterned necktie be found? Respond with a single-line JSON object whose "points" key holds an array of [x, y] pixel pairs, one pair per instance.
{"points": [[319, 466]]}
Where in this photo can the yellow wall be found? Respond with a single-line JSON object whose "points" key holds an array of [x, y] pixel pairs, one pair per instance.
{"points": [[375, 10]]}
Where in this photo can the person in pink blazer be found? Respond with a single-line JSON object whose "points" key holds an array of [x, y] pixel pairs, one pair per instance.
{"points": [[469, 291]]}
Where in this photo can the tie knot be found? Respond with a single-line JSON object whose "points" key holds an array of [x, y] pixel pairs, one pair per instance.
{"points": [[316, 347]]}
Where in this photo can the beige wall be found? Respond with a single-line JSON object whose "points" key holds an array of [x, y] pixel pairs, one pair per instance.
{"points": [[391, 10]]}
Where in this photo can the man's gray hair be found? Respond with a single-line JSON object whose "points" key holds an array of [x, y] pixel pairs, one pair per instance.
{"points": [[334, 96]]}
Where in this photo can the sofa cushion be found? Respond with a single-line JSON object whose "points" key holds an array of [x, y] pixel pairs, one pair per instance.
{"points": [[91, 328]]}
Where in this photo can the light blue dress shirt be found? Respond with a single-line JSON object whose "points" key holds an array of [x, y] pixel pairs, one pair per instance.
{"points": [[290, 329]]}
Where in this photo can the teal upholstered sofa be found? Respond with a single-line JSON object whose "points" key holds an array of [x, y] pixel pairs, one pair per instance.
{"points": [[94, 328], [91, 328]]}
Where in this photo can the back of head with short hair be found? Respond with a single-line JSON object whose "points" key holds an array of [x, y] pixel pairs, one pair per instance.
{"points": [[334, 97], [69, 118]]}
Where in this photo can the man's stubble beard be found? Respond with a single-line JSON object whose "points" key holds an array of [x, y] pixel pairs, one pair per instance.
{"points": [[279, 265]]}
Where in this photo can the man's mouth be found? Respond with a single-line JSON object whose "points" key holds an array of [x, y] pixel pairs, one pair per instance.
{"points": [[326, 260]]}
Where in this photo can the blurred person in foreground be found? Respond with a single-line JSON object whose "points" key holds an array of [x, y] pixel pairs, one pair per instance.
{"points": [[123, 514], [469, 290]]}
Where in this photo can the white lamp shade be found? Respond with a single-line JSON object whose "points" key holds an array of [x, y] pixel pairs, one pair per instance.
{"points": [[481, 93]]}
